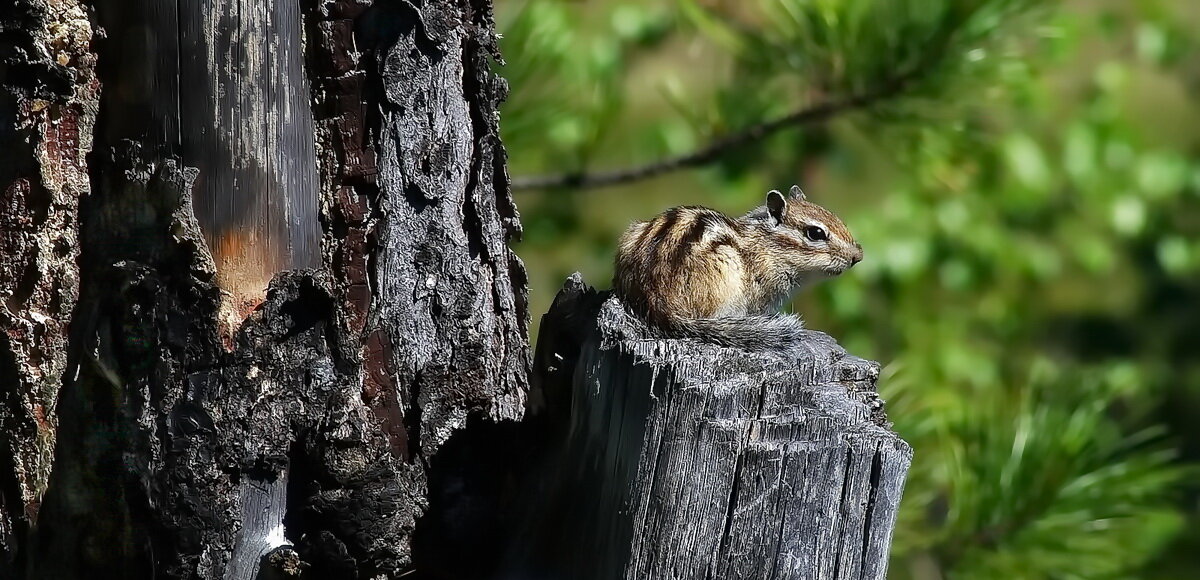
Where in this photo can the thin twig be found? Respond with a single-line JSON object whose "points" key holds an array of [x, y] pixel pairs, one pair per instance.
{"points": [[718, 148]]}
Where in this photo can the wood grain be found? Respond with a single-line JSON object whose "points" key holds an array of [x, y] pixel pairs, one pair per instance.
{"points": [[302, 437], [690, 460]]}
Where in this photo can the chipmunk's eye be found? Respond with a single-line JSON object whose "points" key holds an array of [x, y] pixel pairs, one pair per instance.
{"points": [[815, 233]]}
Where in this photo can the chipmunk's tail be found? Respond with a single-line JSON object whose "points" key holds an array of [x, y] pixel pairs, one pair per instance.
{"points": [[750, 332]]}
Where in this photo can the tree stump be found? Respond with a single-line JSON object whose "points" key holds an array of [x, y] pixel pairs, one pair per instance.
{"points": [[682, 459]]}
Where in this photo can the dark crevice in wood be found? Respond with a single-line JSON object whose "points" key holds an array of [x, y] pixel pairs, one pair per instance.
{"points": [[471, 225], [307, 310], [876, 472], [13, 530], [416, 199], [472, 482], [412, 413], [843, 511], [729, 512], [480, 128]]}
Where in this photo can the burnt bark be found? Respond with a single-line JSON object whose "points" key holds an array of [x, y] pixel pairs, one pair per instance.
{"points": [[165, 413], [299, 440], [48, 101]]}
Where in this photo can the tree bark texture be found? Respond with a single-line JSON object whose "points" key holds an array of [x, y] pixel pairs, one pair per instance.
{"points": [[301, 440], [688, 460], [167, 414], [48, 102]]}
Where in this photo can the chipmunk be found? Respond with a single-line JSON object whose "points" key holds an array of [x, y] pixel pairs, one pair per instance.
{"points": [[695, 272]]}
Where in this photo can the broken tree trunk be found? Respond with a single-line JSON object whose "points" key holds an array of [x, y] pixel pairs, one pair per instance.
{"points": [[688, 460], [165, 415], [208, 427]]}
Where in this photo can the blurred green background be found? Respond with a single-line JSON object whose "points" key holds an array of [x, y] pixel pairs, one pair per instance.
{"points": [[1027, 192]]}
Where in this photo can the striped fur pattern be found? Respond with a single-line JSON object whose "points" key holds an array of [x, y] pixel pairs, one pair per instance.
{"points": [[693, 271]]}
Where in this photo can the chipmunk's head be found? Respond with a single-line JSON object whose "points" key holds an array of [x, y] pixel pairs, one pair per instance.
{"points": [[813, 242]]}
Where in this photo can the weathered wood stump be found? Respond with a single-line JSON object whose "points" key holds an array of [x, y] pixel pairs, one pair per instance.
{"points": [[689, 460]]}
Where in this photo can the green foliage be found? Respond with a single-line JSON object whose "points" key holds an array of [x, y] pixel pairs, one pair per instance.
{"points": [[859, 47], [1028, 204], [566, 85], [780, 57], [1039, 483]]}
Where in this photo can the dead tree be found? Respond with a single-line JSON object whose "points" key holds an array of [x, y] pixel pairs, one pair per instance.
{"points": [[679, 459], [181, 439], [260, 319]]}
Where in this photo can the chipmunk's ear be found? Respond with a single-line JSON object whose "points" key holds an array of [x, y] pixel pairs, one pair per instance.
{"points": [[776, 205], [797, 193]]}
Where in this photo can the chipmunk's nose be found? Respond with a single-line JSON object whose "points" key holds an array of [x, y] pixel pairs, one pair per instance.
{"points": [[857, 256]]}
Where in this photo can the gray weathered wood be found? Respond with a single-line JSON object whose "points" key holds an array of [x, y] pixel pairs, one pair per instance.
{"points": [[690, 460]]}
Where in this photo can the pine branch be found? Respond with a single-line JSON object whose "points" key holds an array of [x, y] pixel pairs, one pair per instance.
{"points": [[819, 113]]}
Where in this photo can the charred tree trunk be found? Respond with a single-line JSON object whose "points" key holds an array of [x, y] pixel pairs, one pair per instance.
{"points": [[193, 443], [270, 327], [48, 102]]}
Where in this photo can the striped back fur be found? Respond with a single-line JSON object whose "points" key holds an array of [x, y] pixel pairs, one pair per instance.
{"points": [[693, 271]]}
